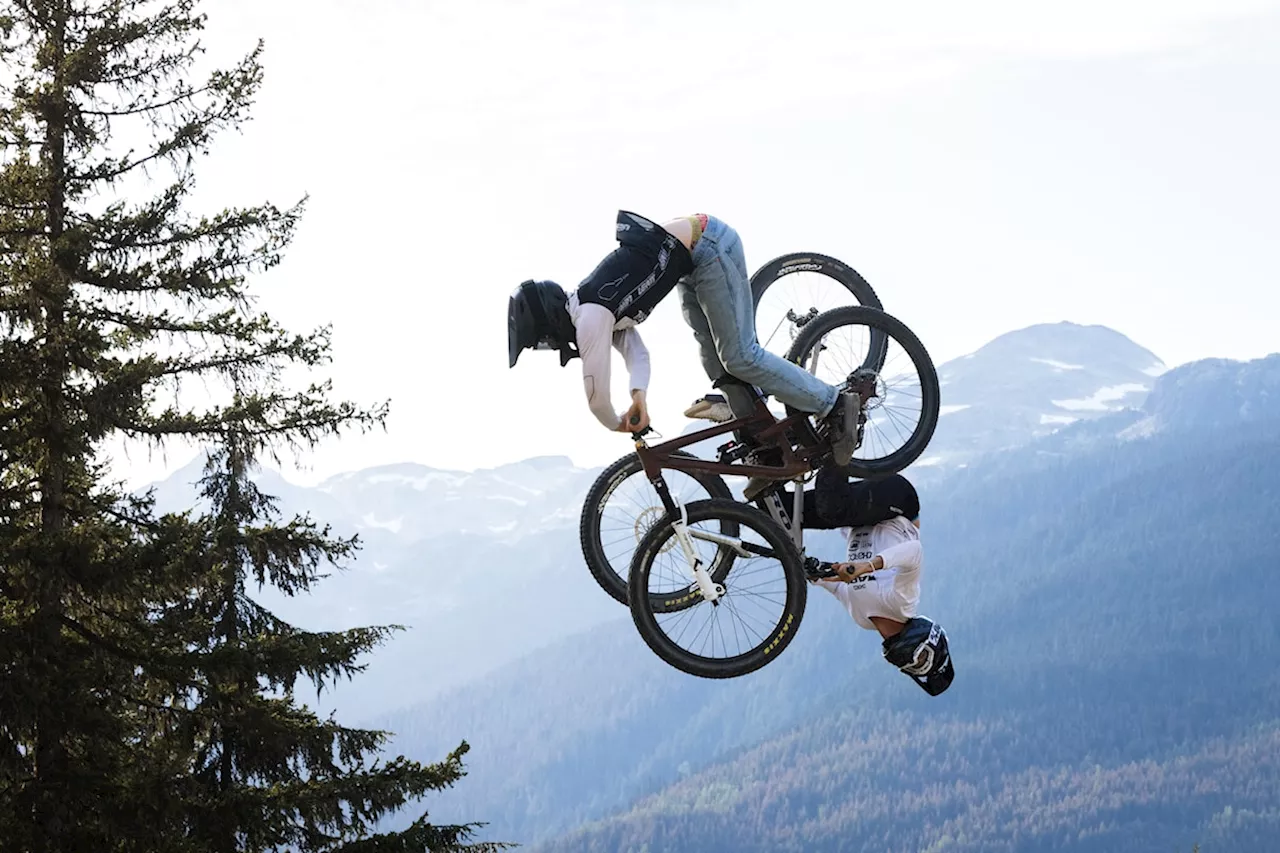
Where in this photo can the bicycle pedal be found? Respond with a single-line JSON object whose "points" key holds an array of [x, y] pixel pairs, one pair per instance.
{"points": [[817, 569]]}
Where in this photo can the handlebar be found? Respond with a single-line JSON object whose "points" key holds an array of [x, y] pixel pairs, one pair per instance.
{"points": [[637, 435]]}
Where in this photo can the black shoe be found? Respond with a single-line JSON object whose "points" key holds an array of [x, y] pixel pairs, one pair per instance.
{"points": [[757, 485], [842, 428]]}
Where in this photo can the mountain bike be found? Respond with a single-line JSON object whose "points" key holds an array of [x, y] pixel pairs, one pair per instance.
{"points": [[788, 293], [726, 581]]}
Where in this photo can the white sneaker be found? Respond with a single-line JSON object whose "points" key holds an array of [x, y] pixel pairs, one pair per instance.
{"points": [[712, 407]]}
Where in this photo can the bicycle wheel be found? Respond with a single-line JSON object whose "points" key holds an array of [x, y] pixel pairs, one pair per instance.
{"points": [[622, 505], [790, 290], [750, 623], [855, 344]]}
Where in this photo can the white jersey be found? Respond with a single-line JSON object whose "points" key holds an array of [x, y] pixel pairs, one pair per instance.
{"points": [[892, 592]]}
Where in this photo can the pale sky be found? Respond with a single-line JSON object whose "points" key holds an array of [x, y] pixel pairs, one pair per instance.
{"points": [[986, 165]]}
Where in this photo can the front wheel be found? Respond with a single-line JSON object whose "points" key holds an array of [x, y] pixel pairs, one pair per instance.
{"points": [[622, 505], [875, 353], [753, 620]]}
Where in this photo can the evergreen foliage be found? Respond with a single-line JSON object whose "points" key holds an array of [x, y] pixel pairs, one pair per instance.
{"points": [[147, 702]]}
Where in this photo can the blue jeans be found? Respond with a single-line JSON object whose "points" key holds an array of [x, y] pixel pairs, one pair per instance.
{"points": [[716, 301]]}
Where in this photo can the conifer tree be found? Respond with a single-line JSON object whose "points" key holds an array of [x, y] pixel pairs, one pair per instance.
{"points": [[267, 772], [145, 701]]}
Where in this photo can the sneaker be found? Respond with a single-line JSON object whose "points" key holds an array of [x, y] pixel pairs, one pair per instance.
{"points": [[712, 407], [842, 428], [755, 486]]}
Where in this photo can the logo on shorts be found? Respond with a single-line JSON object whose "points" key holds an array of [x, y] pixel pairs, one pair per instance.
{"points": [[921, 661]]}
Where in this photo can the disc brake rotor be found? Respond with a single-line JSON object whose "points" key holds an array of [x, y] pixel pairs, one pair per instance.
{"points": [[646, 518]]}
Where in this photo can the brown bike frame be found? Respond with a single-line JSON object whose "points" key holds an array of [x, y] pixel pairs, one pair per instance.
{"points": [[761, 425], [770, 432]]}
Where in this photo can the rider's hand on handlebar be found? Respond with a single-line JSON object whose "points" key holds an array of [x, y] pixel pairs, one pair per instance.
{"points": [[636, 418], [848, 572]]}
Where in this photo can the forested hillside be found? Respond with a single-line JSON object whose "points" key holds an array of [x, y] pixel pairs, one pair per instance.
{"points": [[1112, 698], [1109, 592]]}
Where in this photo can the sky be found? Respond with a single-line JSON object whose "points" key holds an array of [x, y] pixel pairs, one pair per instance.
{"points": [[986, 166]]}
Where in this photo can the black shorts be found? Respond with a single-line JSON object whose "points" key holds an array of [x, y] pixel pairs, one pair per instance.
{"points": [[835, 502]]}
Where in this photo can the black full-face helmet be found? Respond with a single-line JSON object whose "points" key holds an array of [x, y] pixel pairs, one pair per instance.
{"points": [[920, 650], [538, 318]]}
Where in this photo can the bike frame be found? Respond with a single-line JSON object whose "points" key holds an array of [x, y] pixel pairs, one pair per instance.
{"points": [[797, 464], [761, 425]]}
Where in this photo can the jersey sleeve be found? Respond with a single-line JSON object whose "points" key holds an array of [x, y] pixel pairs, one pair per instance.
{"points": [[594, 325], [636, 355], [905, 556]]}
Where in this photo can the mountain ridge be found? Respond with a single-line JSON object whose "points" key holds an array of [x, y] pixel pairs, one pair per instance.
{"points": [[1108, 480], [435, 542]]}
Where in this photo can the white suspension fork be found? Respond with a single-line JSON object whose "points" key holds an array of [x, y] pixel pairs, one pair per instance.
{"points": [[709, 589]]}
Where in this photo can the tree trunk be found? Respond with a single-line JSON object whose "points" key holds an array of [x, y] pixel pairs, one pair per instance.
{"points": [[50, 747]]}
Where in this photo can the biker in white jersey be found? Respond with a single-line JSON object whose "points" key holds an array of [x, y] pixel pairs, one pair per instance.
{"points": [[879, 582]]}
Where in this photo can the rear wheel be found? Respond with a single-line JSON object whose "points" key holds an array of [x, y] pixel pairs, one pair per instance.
{"points": [[864, 348], [756, 617], [622, 505], [793, 289]]}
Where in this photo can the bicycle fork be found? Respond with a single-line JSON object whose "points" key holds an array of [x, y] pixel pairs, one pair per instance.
{"points": [[710, 590]]}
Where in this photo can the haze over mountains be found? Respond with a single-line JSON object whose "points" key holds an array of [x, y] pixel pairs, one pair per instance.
{"points": [[471, 559], [1098, 578]]}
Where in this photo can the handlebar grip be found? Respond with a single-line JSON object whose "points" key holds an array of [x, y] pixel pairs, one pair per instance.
{"points": [[635, 419]]}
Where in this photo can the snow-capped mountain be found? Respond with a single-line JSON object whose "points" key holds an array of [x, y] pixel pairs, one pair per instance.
{"points": [[469, 561], [409, 503], [417, 503], [1214, 392], [1032, 382]]}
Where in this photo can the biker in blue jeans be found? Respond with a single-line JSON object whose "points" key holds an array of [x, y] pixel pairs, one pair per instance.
{"points": [[702, 257]]}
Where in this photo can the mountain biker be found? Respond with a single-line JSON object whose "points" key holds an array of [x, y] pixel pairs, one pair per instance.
{"points": [[880, 582], [702, 258]]}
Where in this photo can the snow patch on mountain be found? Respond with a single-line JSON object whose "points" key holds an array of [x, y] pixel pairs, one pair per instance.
{"points": [[1098, 401], [1058, 365], [1144, 428], [422, 482]]}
